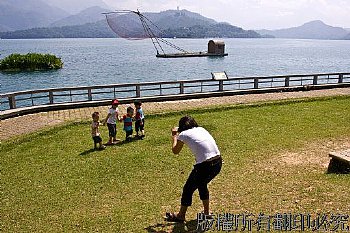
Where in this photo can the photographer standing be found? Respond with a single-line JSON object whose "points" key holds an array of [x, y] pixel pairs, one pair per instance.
{"points": [[208, 163]]}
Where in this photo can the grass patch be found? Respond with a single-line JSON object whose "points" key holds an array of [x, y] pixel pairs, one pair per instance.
{"points": [[52, 181]]}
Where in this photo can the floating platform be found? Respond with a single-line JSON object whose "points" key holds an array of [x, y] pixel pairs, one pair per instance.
{"points": [[199, 54]]}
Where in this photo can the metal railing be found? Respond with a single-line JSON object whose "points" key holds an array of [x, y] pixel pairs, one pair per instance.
{"points": [[68, 95]]}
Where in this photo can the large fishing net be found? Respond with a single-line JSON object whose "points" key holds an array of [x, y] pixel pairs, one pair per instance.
{"points": [[132, 25], [128, 25]]}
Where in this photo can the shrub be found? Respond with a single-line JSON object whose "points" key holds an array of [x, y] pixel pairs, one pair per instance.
{"points": [[30, 62]]}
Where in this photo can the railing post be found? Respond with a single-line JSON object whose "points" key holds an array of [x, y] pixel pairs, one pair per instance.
{"points": [[315, 80], [340, 79], [70, 96], [221, 85], [182, 88], [286, 82], [12, 101], [89, 94], [51, 97], [138, 90], [31, 98], [256, 83]]}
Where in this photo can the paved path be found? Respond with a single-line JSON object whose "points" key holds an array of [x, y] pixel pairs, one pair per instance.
{"points": [[33, 122]]}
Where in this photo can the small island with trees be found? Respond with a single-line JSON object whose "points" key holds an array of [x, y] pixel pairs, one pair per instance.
{"points": [[30, 62]]}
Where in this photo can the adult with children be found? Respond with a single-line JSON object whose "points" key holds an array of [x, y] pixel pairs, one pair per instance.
{"points": [[208, 163]]}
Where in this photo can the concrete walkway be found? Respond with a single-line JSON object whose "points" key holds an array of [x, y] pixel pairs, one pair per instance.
{"points": [[12, 127]]}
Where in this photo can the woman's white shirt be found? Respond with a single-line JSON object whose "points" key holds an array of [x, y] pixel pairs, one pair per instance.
{"points": [[200, 142]]}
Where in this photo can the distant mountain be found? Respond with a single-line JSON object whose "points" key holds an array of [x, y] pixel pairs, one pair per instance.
{"points": [[89, 15], [4, 28], [20, 14], [90, 30], [181, 24], [178, 18], [311, 30], [222, 30], [129, 25], [76, 6]]}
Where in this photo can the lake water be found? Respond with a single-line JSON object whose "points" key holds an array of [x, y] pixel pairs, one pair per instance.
{"points": [[112, 61]]}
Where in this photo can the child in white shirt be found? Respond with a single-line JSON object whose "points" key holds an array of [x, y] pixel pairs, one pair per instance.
{"points": [[111, 119]]}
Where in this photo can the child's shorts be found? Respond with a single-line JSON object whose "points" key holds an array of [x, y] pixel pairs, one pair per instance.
{"points": [[128, 133], [139, 126], [97, 139], [112, 130]]}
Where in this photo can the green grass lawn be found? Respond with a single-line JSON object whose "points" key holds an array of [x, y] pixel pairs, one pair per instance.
{"points": [[53, 181]]}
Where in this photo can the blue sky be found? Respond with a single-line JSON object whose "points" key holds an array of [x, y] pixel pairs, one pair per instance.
{"points": [[253, 14]]}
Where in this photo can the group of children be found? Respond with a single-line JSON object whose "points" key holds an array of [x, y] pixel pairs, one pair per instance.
{"points": [[112, 117]]}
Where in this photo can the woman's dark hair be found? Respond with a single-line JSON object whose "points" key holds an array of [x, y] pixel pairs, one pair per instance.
{"points": [[186, 123]]}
